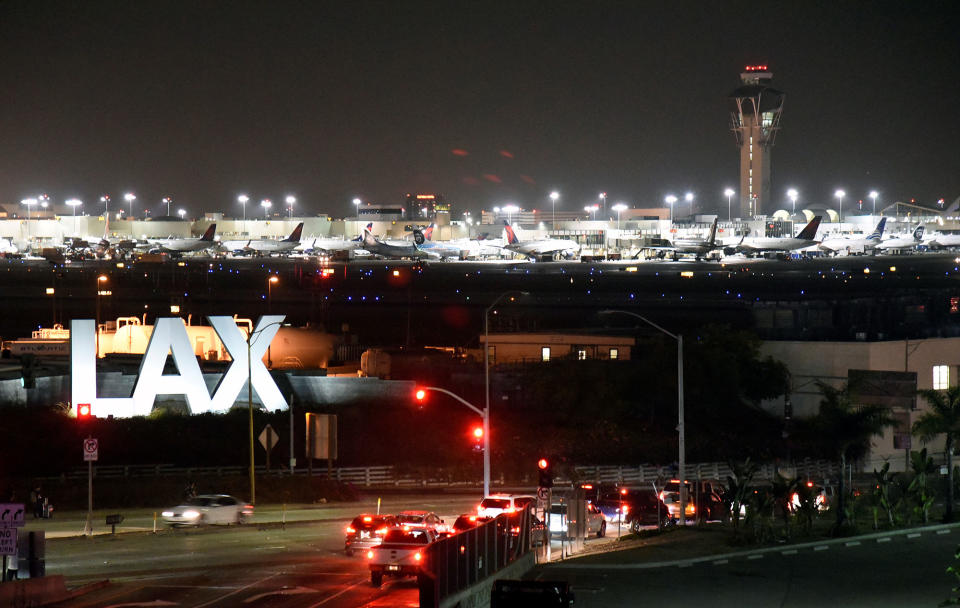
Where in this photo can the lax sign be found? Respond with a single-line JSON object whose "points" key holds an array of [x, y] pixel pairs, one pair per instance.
{"points": [[170, 336]]}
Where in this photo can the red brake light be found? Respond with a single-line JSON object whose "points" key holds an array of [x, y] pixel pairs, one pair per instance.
{"points": [[350, 530], [473, 518], [367, 519], [809, 484], [369, 554], [417, 556], [382, 531]]}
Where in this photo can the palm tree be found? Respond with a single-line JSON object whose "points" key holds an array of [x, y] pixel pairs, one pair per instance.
{"points": [[942, 419], [847, 429]]}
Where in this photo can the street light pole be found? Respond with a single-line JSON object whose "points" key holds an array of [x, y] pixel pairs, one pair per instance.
{"points": [[874, 194], [553, 209], [671, 199], [485, 416], [729, 194], [792, 193], [681, 432], [840, 194], [486, 384], [250, 339]]}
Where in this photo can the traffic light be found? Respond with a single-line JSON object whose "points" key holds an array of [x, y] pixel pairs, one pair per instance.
{"points": [[421, 396], [546, 473], [477, 439], [84, 412]]}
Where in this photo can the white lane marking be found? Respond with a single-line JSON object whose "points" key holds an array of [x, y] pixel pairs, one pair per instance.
{"points": [[914, 535], [821, 547], [943, 531], [338, 593], [235, 591], [287, 591], [720, 562], [885, 539], [789, 552], [853, 543], [755, 556]]}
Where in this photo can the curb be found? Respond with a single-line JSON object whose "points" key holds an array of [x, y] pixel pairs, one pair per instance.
{"points": [[683, 563]]}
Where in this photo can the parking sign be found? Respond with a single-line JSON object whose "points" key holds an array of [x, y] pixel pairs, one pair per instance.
{"points": [[91, 449]]}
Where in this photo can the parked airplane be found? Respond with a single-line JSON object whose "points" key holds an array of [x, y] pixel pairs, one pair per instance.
{"points": [[903, 242], [266, 245], [538, 248], [942, 241], [854, 244], [387, 250], [459, 248], [772, 243], [698, 247], [176, 245]]}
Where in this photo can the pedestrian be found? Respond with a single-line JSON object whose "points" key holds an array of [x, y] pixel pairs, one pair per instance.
{"points": [[36, 501]]}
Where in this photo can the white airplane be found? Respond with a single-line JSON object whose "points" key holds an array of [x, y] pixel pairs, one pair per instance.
{"points": [[903, 242], [698, 247], [175, 245], [775, 243], [459, 248], [538, 248], [396, 251], [942, 241], [266, 245], [7, 247], [852, 245]]}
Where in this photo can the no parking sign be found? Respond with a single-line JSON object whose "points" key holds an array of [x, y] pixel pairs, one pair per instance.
{"points": [[91, 449]]}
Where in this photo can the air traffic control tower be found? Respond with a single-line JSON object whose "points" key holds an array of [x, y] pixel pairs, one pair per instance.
{"points": [[755, 109]]}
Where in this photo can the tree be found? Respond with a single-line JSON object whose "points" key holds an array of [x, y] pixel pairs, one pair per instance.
{"points": [[942, 419], [847, 429]]}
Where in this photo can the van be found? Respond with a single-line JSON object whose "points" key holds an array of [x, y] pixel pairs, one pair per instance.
{"points": [[495, 504]]}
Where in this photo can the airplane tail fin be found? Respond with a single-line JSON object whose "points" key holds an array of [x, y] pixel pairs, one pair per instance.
{"points": [[418, 237], [918, 233], [810, 230], [428, 232], [713, 234], [511, 235], [208, 235], [295, 235], [877, 234], [368, 238]]}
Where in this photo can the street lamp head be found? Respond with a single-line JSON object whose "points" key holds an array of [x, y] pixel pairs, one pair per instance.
{"points": [[73, 202], [874, 194], [554, 196], [102, 278], [603, 196], [129, 196], [274, 278], [28, 201], [291, 200], [266, 203], [792, 193], [619, 207], [728, 192], [242, 199], [839, 194], [357, 202], [688, 196], [670, 199], [181, 213]]}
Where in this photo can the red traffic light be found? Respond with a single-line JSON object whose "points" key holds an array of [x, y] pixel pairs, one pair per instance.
{"points": [[421, 394], [543, 464], [478, 432], [84, 411]]}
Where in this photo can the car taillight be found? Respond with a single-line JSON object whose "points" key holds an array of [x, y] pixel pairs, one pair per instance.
{"points": [[367, 519], [509, 510], [350, 530], [515, 530], [625, 509], [417, 556], [369, 554], [473, 518], [693, 509], [382, 531]]}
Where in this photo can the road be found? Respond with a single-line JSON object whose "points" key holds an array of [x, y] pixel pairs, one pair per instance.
{"points": [[893, 570], [259, 564]]}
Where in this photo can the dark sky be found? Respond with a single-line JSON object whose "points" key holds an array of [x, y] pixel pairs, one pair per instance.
{"points": [[485, 102]]}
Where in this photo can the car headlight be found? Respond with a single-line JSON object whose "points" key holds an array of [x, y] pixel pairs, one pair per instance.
{"points": [[167, 514], [191, 514]]}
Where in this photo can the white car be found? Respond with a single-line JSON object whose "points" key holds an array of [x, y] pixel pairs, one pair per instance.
{"points": [[495, 504], [209, 509], [596, 523]]}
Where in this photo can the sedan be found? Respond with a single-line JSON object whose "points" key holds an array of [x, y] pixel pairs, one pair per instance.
{"points": [[422, 519], [209, 509]]}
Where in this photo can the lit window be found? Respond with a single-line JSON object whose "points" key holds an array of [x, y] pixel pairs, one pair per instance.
{"points": [[581, 355], [492, 354], [941, 377], [545, 353], [614, 353]]}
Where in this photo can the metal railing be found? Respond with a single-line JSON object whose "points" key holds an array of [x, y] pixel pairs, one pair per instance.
{"points": [[462, 560], [626, 474]]}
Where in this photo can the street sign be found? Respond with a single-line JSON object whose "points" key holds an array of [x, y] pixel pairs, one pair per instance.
{"points": [[268, 438], [8, 541], [91, 449], [543, 493], [11, 515]]}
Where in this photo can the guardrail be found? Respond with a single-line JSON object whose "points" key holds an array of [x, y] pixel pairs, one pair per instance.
{"points": [[389, 476]]}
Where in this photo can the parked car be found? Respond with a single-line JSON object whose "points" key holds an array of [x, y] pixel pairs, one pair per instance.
{"points": [[367, 531], [495, 504], [560, 521], [208, 509]]}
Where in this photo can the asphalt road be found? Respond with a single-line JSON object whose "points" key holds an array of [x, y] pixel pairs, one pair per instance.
{"points": [[895, 570]]}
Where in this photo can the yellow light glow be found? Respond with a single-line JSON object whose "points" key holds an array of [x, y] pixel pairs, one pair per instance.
{"points": [[174, 309], [50, 291], [687, 274]]}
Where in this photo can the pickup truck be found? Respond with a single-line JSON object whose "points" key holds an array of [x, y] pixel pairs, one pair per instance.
{"points": [[400, 553]]}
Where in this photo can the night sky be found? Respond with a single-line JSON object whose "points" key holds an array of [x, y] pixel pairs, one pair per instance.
{"points": [[484, 102]]}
